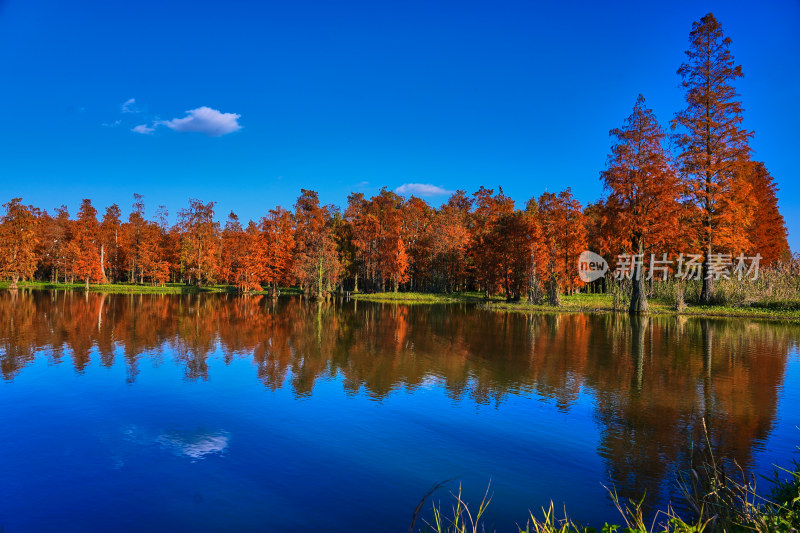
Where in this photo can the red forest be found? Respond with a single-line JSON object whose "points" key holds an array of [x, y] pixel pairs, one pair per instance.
{"points": [[708, 197]]}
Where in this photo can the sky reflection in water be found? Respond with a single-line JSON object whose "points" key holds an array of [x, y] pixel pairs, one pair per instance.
{"points": [[209, 412]]}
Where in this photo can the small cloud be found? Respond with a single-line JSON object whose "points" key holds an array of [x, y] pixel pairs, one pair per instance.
{"points": [[195, 445], [205, 120], [112, 124], [144, 129], [421, 189], [130, 106], [362, 184]]}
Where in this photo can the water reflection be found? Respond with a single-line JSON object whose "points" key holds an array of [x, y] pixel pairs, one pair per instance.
{"points": [[650, 380], [195, 445]]}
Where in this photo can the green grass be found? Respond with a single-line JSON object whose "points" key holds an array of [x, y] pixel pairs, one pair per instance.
{"points": [[420, 297], [285, 291], [582, 303], [576, 303], [720, 501], [127, 288]]}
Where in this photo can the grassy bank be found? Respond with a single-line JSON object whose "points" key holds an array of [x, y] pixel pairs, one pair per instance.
{"points": [[583, 303], [592, 303], [576, 303], [719, 499], [419, 297], [169, 288], [133, 288]]}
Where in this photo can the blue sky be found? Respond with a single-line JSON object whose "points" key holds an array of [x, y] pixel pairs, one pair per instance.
{"points": [[352, 96]]}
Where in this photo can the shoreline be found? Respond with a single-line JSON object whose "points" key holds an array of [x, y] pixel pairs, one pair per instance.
{"points": [[583, 303], [577, 303]]}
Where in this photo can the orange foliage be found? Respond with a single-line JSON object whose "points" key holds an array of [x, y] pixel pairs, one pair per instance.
{"points": [[714, 147], [18, 241]]}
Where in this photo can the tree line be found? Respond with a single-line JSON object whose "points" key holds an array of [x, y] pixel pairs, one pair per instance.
{"points": [[706, 195]]}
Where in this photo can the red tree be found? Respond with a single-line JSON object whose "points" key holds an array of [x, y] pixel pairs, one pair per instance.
{"points": [[713, 145], [86, 240], [18, 241], [643, 192]]}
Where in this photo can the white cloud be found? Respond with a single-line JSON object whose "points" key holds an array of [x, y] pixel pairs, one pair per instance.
{"points": [[144, 129], [421, 189], [130, 106], [205, 120], [195, 446], [112, 124]]}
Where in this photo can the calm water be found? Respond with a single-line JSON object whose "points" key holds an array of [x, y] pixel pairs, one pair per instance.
{"points": [[211, 413]]}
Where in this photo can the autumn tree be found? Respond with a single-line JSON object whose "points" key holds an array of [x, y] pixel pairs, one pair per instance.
{"points": [[540, 249], [643, 192], [56, 233], [232, 249], [713, 145], [278, 246], [18, 241], [379, 238], [133, 240], [416, 219], [248, 268], [449, 240], [486, 249], [348, 255], [364, 229], [111, 243], [316, 261], [86, 240], [513, 240], [564, 238], [199, 242], [152, 265], [767, 230], [393, 259]]}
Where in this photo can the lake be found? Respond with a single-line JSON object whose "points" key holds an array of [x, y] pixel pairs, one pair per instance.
{"points": [[222, 412]]}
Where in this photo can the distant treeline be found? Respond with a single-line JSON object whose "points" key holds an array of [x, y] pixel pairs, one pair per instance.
{"points": [[708, 197]]}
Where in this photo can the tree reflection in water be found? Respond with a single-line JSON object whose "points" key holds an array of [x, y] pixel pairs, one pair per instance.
{"points": [[651, 380]]}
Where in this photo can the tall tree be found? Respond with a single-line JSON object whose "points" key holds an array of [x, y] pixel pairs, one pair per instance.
{"points": [[393, 258], [486, 249], [713, 145], [199, 242], [316, 262], [564, 237], [416, 218], [86, 239], [767, 231], [278, 245], [233, 248], [643, 191], [132, 232], [18, 241], [513, 239], [110, 243], [450, 239], [364, 229], [248, 269]]}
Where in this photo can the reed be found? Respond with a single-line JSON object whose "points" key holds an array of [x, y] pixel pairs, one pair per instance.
{"points": [[720, 497]]}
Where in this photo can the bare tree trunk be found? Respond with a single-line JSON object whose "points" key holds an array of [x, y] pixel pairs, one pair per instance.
{"points": [[553, 292], [102, 261], [707, 292], [638, 296]]}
